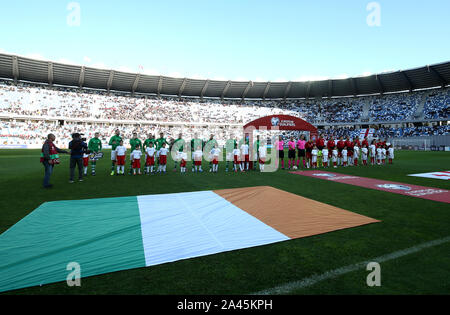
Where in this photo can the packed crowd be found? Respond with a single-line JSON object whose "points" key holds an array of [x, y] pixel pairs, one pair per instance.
{"points": [[336, 133], [42, 101], [437, 105], [394, 107], [33, 133], [421, 131], [341, 111], [382, 132], [30, 112]]}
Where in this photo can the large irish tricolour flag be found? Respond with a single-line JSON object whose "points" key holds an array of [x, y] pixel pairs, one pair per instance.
{"points": [[112, 234]]}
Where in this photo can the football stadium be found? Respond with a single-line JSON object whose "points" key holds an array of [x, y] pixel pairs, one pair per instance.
{"points": [[125, 182]]}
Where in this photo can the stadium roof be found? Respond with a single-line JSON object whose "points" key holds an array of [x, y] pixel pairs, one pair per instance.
{"points": [[25, 69]]}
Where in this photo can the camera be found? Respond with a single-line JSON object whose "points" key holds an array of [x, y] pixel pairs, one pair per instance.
{"points": [[77, 143], [77, 136]]}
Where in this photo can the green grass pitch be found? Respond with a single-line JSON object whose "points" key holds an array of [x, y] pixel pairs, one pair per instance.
{"points": [[406, 222]]}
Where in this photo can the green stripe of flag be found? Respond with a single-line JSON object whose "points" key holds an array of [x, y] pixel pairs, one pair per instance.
{"points": [[102, 235]]}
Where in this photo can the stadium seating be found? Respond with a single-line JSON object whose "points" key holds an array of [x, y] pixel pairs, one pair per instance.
{"points": [[394, 107], [437, 105], [28, 112]]}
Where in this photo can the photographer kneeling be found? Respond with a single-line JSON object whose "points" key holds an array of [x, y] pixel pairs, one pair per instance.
{"points": [[77, 147]]}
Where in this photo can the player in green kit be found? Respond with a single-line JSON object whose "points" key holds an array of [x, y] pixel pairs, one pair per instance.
{"points": [[95, 146], [209, 145], [256, 153], [177, 147], [195, 143], [134, 142], [159, 143], [150, 139], [229, 147], [114, 142]]}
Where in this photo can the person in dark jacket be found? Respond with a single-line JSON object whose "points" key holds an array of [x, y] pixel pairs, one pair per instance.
{"points": [[77, 148], [49, 158]]}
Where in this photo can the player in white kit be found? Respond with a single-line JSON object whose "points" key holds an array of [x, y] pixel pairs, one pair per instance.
{"points": [[215, 152], [364, 154], [198, 155], [355, 155], [262, 156], [325, 157], [391, 154], [135, 158], [150, 153], [344, 156], [334, 157], [245, 156], [379, 155], [120, 153], [314, 154], [373, 152], [236, 159]]}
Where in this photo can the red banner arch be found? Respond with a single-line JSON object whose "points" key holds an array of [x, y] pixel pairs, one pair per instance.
{"points": [[283, 122]]}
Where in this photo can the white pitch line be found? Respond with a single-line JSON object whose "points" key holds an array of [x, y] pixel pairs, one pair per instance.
{"points": [[306, 282]]}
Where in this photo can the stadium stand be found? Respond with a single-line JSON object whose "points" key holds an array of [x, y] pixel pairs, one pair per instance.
{"points": [[40, 101], [29, 111], [38, 97], [437, 105], [394, 107]]}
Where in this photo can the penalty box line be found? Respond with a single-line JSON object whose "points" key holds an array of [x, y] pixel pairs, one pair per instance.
{"points": [[309, 281]]}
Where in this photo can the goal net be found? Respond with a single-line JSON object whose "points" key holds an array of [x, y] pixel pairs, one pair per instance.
{"points": [[412, 144]]}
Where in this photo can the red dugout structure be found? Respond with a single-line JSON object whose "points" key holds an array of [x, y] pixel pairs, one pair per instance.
{"points": [[282, 122], [277, 123]]}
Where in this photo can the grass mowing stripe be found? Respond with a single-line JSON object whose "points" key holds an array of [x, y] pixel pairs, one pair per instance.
{"points": [[288, 287]]}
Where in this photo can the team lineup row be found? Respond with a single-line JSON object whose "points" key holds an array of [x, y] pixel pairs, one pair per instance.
{"points": [[156, 150], [312, 153], [319, 152]]}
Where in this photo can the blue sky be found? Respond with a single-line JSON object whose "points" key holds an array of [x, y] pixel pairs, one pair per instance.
{"points": [[231, 39]]}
